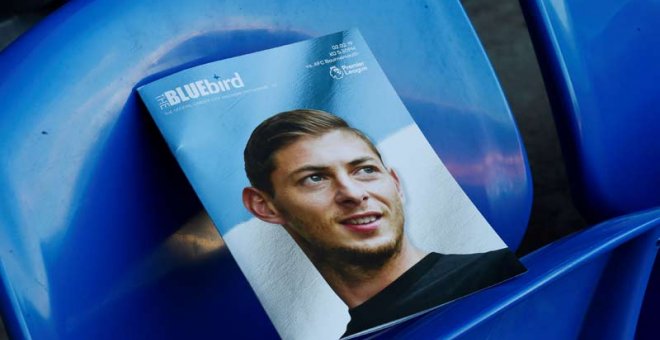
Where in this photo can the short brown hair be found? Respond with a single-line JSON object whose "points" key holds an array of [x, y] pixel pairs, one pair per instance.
{"points": [[284, 129]]}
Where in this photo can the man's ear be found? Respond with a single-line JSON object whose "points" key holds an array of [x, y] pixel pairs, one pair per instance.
{"points": [[259, 204], [398, 183]]}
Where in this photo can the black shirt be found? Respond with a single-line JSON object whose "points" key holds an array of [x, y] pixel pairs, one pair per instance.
{"points": [[434, 280]]}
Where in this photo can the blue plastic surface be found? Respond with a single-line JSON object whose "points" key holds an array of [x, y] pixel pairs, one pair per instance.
{"points": [[600, 63], [601, 68], [99, 234]]}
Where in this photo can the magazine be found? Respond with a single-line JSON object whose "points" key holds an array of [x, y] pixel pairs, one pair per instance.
{"points": [[337, 210]]}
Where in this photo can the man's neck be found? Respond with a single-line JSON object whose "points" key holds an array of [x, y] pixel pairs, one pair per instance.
{"points": [[356, 285]]}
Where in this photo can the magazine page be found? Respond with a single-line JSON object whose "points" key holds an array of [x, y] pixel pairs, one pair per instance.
{"points": [[334, 205]]}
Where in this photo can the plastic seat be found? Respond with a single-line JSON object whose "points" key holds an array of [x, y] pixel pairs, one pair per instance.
{"points": [[601, 68], [100, 234]]}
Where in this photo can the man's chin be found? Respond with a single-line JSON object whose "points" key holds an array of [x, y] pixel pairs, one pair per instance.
{"points": [[367, 257]]}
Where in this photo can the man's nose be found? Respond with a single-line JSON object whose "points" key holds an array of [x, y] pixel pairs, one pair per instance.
{"points": [[350, 191]]}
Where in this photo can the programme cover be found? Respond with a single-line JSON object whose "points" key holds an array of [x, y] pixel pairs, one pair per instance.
{"points": [[337, 210]]}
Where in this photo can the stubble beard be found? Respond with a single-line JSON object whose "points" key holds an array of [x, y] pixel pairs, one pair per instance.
{"points": [[364, 259], [351, 260]]}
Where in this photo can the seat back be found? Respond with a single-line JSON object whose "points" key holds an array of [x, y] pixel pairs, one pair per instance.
{"points": [[100, 233], [600, 63]]}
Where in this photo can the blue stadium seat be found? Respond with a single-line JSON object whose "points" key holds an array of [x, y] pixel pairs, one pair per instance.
{"points": [[601, 69], [600, 63], [100, 233]]}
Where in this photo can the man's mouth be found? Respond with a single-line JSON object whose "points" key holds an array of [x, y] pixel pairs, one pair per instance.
{"points": [[362, 222]]}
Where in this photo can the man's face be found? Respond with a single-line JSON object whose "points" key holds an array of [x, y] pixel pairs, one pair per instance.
{"points": [[336, 196]]}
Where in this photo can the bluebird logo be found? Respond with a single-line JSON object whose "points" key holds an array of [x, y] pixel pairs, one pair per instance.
{"points": [[199, 88]]}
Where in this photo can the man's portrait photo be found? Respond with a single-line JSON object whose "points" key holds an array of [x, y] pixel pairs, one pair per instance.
{"points": [[327, 185]]}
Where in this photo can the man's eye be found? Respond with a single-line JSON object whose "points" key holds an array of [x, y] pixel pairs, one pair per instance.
{"points": [[367, 170], [313, 179]]}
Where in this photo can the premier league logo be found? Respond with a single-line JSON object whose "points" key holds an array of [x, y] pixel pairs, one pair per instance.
{"points": [[336, 72]]}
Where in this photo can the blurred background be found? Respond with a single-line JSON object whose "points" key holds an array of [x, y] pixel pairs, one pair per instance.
{"points": [[503, 32]]}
